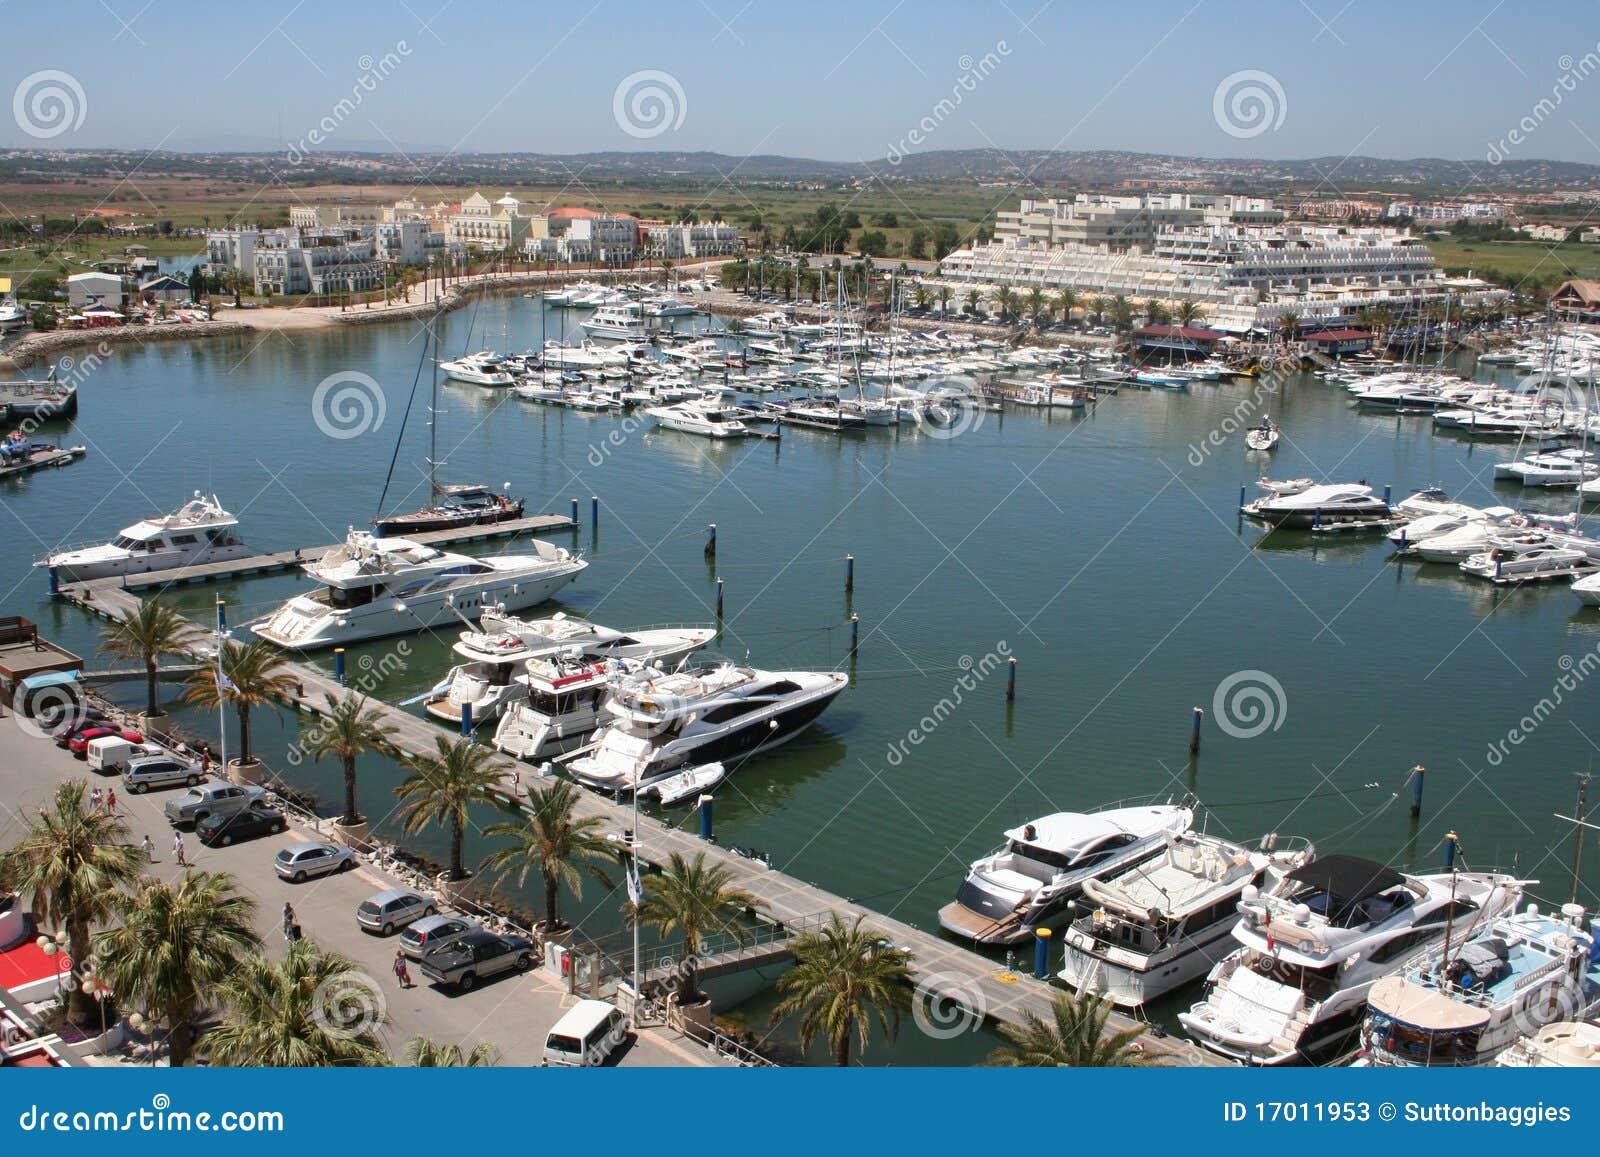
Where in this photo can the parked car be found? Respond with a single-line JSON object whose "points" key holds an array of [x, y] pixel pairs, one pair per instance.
{"points": [[256, 820], [111, 753], [150, 771], [429, 933], [299, 862], [477, 956], [391, 909], [586, 1034], [215, 798], [78, 741]]}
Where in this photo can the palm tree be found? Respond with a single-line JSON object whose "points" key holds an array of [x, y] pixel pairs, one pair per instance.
{"points": [[440, 789], [1156, 312], [691, 898], [176, 946], [1098, 306], [75, 862], [1035, 304], [351, 729], [1074, 1037], [844, 978], [973, 297], [945, 293], [1290, 324], [1121, 312], [1006, 299], [1066, 301], [426, 1053], [1190, 312], [152, 630], [312, 1009], [551, 839], [253, 674]]}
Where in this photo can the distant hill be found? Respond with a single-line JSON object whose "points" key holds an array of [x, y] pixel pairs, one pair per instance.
{"points": [[376, 164]]}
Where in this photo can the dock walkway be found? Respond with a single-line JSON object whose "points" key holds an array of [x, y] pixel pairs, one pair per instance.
{"points": [[283, 560], [943, 970]]}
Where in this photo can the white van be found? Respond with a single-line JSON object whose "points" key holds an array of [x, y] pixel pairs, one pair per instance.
{"points": [[585, 1035], [110, 753]]}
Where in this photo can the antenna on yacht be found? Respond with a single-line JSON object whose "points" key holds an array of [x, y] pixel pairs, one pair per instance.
{"points": [[1579, 820]]}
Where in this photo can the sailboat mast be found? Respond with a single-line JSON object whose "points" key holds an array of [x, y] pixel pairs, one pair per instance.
{"points": [[433, 418]]}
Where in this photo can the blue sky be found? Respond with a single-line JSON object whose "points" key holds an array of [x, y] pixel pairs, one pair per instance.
{"points": [[841, 81]]}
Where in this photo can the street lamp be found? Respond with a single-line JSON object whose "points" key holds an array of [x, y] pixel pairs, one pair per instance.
{"points": [[54, 946]]}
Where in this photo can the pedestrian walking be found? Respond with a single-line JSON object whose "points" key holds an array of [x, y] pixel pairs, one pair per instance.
{"points": [[177, 849], [149, 848], [94, 799], [111, 800], [289, 919], [402, 971]]}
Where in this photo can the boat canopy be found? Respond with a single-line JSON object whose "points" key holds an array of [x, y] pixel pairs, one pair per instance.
{"points": [[1424, 1009], [1350, 878]]}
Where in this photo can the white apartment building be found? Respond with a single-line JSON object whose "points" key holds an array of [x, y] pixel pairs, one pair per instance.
{"points": [[1125, 222], [231, 249], [401, 242], [1466, 211], [334, 216], [501, 224], [705, 239], [346, 266]]}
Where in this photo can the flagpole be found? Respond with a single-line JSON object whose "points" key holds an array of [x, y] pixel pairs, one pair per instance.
{"points": [[636, 887], [222, 683]]}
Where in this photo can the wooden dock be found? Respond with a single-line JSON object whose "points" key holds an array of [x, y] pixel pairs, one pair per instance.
{"points": [[42, 460], [944, 970], [290, 559]]}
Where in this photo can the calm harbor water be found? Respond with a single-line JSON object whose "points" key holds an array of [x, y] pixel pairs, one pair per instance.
{"points": [[1100, 549]]}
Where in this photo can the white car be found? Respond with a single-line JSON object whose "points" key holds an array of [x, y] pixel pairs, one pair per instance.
{"points": [[300, 862]]}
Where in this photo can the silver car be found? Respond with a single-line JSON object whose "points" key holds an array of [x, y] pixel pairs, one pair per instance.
{"points": [[300, 862], [215, 798], [391, 909], [429, 933]]}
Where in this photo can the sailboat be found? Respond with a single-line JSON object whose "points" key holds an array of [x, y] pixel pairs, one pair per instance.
{"points": [[1262, 437], [450, 506]]}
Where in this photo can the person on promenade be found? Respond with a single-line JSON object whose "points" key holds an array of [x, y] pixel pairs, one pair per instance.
{"points": [[149, 848], [177, 849], [94, 800], [402, 971], [111, 801]]}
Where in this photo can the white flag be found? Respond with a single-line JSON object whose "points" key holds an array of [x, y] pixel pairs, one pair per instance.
{"points": [[635, 889]]}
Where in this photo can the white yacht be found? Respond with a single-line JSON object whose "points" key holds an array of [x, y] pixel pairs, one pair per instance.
{"points": [[1569, 1044], [1323, 505], [373, 587], [1162, 923], [1588, 589], [1491, 981], [1043, 865], [626, 320], [480, 369], [586, 355], [1460, 544], [12, 315], [497, 652], [1530, 555], [559, 701], [714, 713], [1296, 987], [200, 531], [705, 419]]}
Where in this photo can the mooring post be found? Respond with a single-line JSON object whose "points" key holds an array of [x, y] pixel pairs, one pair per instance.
{"points": [[711, 542], [338, 665], [1011, 679], [1418, 773], [55, 583], [855, 631], [1242, 493], [574, 514], [1388, 490], [466, 720], [1402, 547], [594, 513], [849, 573], [1451, 843], [1194, 730], [1316, 519], [1041, 954], [719, 600], [706, 832]]}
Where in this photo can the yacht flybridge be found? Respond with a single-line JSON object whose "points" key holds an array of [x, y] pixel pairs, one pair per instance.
{"points": [[200, 531], [559, 701], [1044, 864], [1296, 987], [1157, 925], [486, 682], [713, 713], [373, 587]]}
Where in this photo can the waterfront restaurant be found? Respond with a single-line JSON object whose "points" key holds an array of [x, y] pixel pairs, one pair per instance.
{"points": [[1337, 342], [1179, 338]]}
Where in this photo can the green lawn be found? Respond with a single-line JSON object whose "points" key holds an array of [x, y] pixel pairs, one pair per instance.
{"points": [[1513, 262]]}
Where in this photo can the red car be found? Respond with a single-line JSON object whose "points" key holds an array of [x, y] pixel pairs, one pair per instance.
{"points": [[78, 742]]}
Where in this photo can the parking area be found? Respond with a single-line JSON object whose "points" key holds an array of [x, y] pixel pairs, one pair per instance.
{"points": [[512, 1012]]}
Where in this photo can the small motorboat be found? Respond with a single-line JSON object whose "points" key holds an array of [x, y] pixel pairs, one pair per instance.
{"points": [[690, 783], [1263, 437]]}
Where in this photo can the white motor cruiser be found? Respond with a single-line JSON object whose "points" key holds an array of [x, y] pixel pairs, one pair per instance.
{"points": [[200, 531]]}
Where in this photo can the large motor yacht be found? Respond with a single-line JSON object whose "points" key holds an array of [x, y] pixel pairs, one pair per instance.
{"points": [[480, 369], [1322, 505], [200, 531], [560, 701], [1470, 1001], [1296, 987], [1043, 865], [706, 419], [373, 587], [1160, 924], [486, 681], [626, 320], [713, 713]]}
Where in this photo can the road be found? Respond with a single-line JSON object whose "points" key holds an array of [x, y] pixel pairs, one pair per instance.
{"points": [[512, 1013]]}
